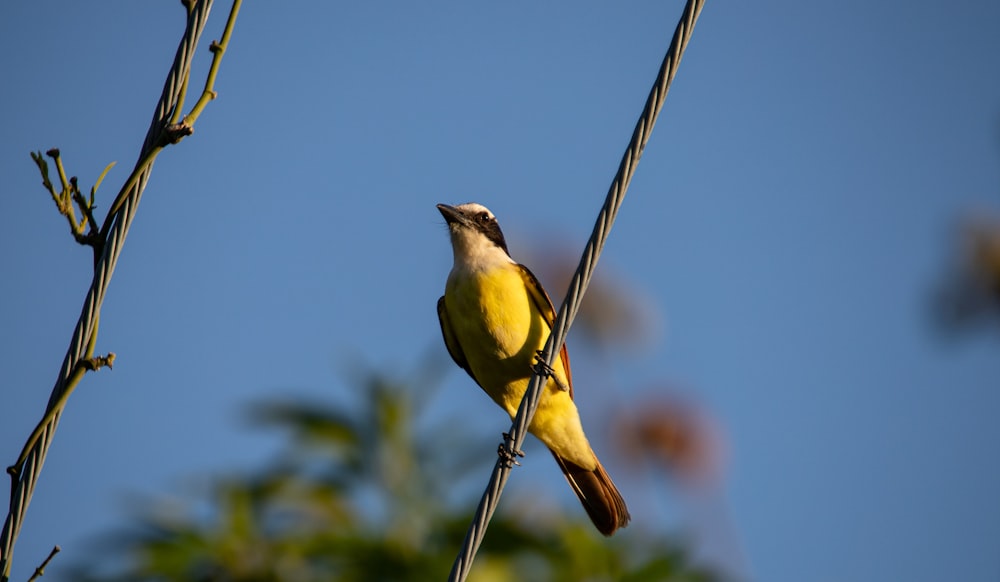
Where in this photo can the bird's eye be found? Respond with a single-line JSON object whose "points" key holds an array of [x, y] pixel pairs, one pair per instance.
{"points": [[484, 217]]}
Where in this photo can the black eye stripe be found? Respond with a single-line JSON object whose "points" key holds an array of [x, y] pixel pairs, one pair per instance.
{"points": [[487, 224]]}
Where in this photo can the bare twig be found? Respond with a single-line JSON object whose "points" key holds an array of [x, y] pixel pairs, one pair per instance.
{"points": [[40, 571], [163, 130], [85, 230]]}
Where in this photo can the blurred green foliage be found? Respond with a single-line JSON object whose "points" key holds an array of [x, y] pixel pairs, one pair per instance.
{"points": [[362, 491]]}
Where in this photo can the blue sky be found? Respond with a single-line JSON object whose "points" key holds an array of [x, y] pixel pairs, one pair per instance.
{"points": [[790, 219]]}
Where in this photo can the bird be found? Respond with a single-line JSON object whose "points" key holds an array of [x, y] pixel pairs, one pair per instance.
{"points": [[495, 318]]}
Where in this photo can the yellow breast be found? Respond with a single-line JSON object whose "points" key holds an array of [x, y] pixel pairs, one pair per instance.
{"points": [[499, 329]]}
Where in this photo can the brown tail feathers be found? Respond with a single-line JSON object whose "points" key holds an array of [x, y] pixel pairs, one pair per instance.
{"points": [[600, 497]]}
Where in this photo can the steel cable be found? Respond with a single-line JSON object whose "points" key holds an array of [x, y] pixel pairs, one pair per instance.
{"points": [[578, 285], [26, 475]]}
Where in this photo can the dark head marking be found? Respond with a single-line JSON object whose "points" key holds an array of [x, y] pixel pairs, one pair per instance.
{"points": [[478, 217], [487, 224]]}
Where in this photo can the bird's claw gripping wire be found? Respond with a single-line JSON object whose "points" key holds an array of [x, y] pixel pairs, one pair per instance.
{"points": [[543, 369], [508, 453]]}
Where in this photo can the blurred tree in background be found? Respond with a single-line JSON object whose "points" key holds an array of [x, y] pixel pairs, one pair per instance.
{"points": [[970, 293], [364, 491]]}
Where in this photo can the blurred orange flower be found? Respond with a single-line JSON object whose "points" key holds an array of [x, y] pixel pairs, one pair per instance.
{"points": [[673, 434]]}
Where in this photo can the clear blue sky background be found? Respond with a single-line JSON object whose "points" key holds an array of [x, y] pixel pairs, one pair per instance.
{"points": [[790, 220]]}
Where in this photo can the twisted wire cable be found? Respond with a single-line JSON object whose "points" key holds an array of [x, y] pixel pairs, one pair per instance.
{"points": [[578, 285], [120, 222]]}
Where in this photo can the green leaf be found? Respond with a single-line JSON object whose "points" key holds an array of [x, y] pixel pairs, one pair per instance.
{"points": [[100, 179]]}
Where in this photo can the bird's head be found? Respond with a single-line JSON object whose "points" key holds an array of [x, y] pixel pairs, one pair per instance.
{"points": [[476, 237]]}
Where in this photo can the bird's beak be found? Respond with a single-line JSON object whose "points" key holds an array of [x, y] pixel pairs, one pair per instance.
{"points": [[452, 215]]}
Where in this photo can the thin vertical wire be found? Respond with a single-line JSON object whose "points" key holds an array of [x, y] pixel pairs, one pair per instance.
{"points": [[578, 285], [24, 486]]}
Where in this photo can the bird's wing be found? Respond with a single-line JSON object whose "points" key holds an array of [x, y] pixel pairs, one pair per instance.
{"points": [[454, 349], [544, 305]]}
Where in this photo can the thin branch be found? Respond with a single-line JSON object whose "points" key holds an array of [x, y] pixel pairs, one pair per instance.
{"points": [[138, 172], [174, 132], [79, 357], [40, 571], [218, 50], [71, 384], [85, 230]]}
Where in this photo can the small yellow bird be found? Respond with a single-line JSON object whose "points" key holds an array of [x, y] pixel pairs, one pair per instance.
{"points": [[494, 317]]}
